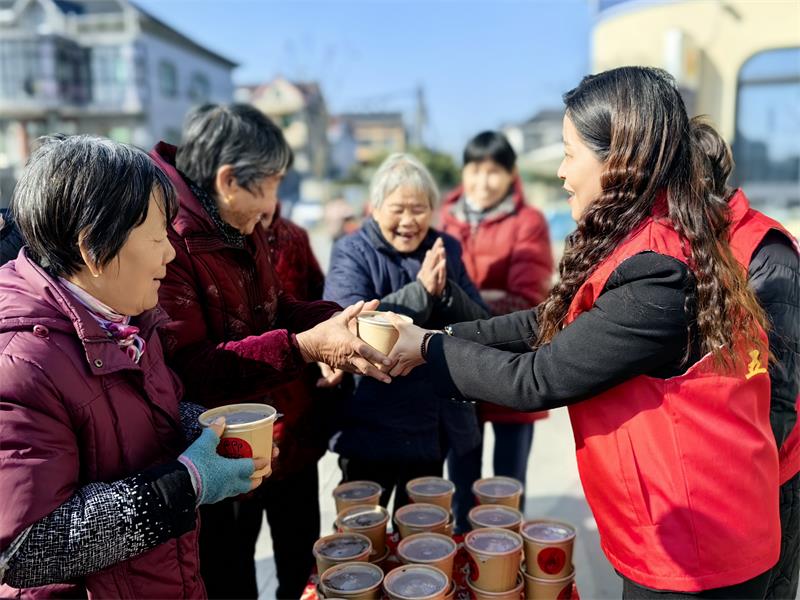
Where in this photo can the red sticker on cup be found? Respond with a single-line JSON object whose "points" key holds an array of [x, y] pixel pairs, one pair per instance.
{"points": [[551, 560], [566, 593], [474, 571], [231, 447]]}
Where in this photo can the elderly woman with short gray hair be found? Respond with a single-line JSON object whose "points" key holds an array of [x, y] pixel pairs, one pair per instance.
{"points": [[391, 434], [98, 480], [236, 335]]}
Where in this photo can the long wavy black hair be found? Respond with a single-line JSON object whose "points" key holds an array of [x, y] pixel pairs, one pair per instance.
{"points": [[635, 121]]}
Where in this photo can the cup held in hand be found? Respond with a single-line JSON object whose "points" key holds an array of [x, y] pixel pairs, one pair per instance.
{"points": [[375, 328], [248, 432]]}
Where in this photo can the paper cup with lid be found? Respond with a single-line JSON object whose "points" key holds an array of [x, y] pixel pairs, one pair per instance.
{"points": [[416, 582], [498, 490], [420, 517], [548, 548], [495, 515], [375, 328], [432, 549], [367, 520], [355, 493], [431, 490], [494, 557], [352, 581], [248, 431], [340, 548]]}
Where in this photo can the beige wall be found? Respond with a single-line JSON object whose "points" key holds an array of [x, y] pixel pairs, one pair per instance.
{"points": [[380, 139], [721, 37]]}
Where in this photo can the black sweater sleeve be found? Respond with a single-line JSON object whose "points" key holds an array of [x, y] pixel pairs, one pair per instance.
{"points": [[514, 332], [637, 326], [775, 278], [100, 525]]}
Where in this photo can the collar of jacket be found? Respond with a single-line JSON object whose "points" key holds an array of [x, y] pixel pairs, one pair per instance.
{"points": [[230, 234], [52, 307], [453, 211], [193, 222], [373, 232]]}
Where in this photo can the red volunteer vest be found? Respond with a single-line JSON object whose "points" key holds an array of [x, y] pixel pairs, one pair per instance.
{"points": [[681, 473], [750, 227]]}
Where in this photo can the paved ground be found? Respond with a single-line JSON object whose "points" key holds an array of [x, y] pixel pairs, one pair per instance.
{"points": [[553, 491]]}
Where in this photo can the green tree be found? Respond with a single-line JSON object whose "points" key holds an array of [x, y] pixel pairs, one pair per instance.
{"points": [[441, 165]]}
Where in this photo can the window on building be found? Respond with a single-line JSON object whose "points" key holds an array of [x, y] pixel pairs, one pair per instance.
{"points": [[109, 75], [168, 79], [20, 69], [767, 142], [199, 88], [72, 64]]}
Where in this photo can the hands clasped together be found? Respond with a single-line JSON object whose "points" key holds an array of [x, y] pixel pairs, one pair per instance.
{"points": [[433, 271]]}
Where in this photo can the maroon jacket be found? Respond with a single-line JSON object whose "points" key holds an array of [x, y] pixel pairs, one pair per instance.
{"points": [[75, 410], [304, 431], [230, 335], [508, 251]]}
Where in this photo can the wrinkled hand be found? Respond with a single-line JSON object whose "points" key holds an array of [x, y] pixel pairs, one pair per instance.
{"points": [[433, 272], [368, 305], [406, 352], [333, 342], [330, 377]]}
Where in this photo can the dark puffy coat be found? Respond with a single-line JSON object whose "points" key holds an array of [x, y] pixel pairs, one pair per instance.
{"points": [[405, 420], [230, 334], [304, 430]]}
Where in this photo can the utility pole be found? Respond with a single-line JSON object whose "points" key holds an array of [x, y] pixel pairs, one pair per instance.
{"points": [[420, 118]]}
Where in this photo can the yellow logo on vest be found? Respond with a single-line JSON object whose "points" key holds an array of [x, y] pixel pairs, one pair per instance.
{"points": [[755, 367]]}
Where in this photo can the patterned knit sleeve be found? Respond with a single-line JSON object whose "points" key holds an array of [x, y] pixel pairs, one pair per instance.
{"points": [[100, 525], [190, 413]]}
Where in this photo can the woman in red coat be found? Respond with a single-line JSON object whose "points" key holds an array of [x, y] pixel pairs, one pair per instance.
{"points": [[507, 254], [656, 343]]}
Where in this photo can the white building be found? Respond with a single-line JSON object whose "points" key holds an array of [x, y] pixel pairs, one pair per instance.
{"points": [[299, 109], [541, 130], [104, 67]]}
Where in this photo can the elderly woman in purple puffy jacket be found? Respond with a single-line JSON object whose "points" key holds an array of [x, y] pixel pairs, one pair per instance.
{"points": [[98, 480]]}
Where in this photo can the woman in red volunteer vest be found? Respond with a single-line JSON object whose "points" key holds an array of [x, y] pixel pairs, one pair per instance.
{"points": [[654, 341], [774, 276]]}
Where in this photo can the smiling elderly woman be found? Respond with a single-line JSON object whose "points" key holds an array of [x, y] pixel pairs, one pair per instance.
{"points": [[394, 433], [99, 490], [236, 334]]}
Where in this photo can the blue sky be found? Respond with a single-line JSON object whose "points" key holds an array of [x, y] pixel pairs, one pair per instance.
{"points": [[481, 63]]}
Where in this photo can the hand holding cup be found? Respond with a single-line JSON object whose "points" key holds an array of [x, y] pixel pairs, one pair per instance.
{"points": [[330, 377], [215, 477], [405, 355], [333, 342]]}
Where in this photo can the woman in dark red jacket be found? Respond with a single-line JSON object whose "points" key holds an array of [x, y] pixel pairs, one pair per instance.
{"points": [[656, 343], [99, 490], [235, 333], [507, 254]]}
